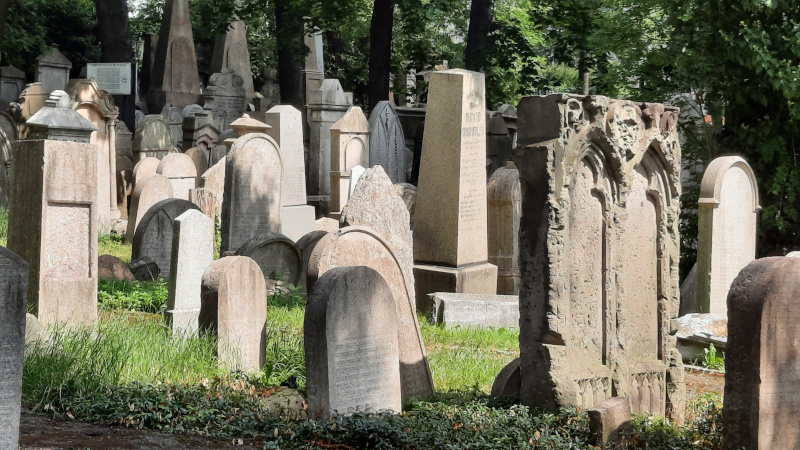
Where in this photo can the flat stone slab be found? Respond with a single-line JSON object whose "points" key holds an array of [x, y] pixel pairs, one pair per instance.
{"points": [[697, 331], [475, 310]]}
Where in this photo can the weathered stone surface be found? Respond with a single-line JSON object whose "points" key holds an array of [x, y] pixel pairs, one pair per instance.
{"points": [[697, 331], [226, 97], [305, 245], [53, 70], [53, 226], [349, 148], [209, 197], [145, 168], [14, 274], [219, 151], [200, 160], [192, 253], [474, 310], [230, 53], [148, 192], [387, 145], [277, 256], [408, 192], [154, 234], [252, 196], [8, 134], [58, 121], [351, 344], [610, 420], [357, 246], [12, 82], [152, 137], [181, 172], [145, 269], [327, 224], [35, 334], [110, 267], [201, 130], [508, 382], [234, 308], [599, 247], [355, 175], [174, 116], [505, 210], [499, 148], [31, 100]]}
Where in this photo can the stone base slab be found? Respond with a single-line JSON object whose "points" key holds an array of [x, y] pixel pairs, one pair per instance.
{"points": [[475, 310], [183, 321], [480, 278], [297, 220]]}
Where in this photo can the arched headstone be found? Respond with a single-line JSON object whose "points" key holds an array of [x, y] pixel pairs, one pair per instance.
{"points": [[153, 236], [277, 256], [387, 144], [182, 174]]}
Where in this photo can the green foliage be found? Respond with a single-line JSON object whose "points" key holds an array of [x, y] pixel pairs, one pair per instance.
{"points": [[142, 296], [3, 226], [712, 360], [114, 244]]}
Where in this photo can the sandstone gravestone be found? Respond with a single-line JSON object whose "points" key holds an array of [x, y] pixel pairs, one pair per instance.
{"points": [[209, 196], [599, 246], [251, 205], [349, 148], [387, 144], [504, 211], [234, 308], [154, 234], [145, 168], [192, 253], [230, 53], [53, 71], [277, 256], [450, 225], [201, 130], [112, 268], [408, 192], [148, 192], [152, 138], [226, 97], [351, 344], [31, 100], [14, 273], [174, 116], [760, 406], [181, 172], [200, 160]]}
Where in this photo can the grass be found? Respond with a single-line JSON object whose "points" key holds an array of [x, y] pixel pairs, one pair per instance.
{"points": [[3, 226], [144, 296], [114, 244]]}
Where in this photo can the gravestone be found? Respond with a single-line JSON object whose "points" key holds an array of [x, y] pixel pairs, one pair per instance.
{"points": [[53, 71], [219, 151], [200, 160], [475, 310], [251, 205], [201, 130], [153, 236], [174, 116], [226, 97], [234, 309], [8, 134], [498, 144], [152, 138], [12, 82], [286, 128], [610, 420], [306, 246], [358, 246], [14, 273], [351, 345], [599, 246], [174, 79], [145, 168], [31, 100], [355, 174], [230, 53], [408, 192], [192, 253], [760, 405], [209, 197], [349, 148], [314, 71], [277, 256], [504, 212], [181, 172], [387, 144], [191, 110], [124, 144], [450, 224], [509, 115], [508, 382]]}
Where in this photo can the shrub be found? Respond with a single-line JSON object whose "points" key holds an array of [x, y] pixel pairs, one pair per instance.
{"points": [[143, 296]]}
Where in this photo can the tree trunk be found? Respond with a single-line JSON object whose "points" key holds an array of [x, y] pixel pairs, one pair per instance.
{"points": [[380, 51], [480, 22], [289, 30], [116, 45]]}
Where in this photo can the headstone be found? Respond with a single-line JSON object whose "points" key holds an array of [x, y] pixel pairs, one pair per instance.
{"points": [[351, 345], [174, 116], [234, 308], [124, 144], [251, 205], [408, 192], [277, 256], [144, 269], [387, 144], [349, 148], [504, 212], [327, 224], [112, 268], [219, 151], [475, 310], [286, 128], [145, 168], [226, 97], [508, 382], [200, 160], [509, 115], [192, 253], [760, 406], [306, 246], [610, 420], [231, 53], [355, 174], [8, 134], [413, 122], [12, 82], [147, 193], [209, 197], [154, 234], [314, 71], [191, 110], [357, 246], [182, 174], [53, 71], [57, 121], [201, 130], [174, 79], [599, 245], [13, 302], [450, 224], [152, 137], [498, 144], [31, 100]]}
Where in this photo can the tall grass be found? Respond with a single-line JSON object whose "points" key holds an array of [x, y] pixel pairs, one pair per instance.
{"points": [[3, 226]]}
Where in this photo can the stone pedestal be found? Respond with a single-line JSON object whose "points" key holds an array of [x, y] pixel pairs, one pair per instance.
{"points": [[478, 278]]}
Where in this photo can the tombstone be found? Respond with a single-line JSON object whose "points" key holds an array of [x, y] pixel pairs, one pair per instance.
{"points": [[413, 122], [314, 71], [504, 212], [358, 246], [219, 151], [277, 256], [8, 134], [53, 71], [200, 130], [12, 82], [351, 345], [286, 128], [14, 273], [349, 148], [231, 53], [124, 144], [509, 115], [450, 224], [226, 97], [408, 192], [498, 144], [599, 247], [154, 233], [760, 405], [174, 79], [726, 241], [145, 168], [234, 309], [355, 174], [53, 216], [152, 138], [305, 245], [209, 196], [174, 116], [31, 100], [508, 382], [182, 174], [610, 421], [192, 253], [251, 205], [474, 310], [387, 144], [190, 110], [200, 160]]}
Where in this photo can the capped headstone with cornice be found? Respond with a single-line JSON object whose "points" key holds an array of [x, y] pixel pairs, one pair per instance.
{"points": [[53, 71], [349, 148], [387, 144]]}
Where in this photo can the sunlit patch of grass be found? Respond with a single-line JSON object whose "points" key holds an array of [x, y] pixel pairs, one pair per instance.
{"points": [[114, 244]]}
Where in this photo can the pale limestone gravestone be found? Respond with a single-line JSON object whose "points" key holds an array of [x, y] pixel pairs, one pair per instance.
{"points": [[200, 160], [349, 148], [387, 144], [355, 174], [53, 216], [450, 224], [504, 212], [760, 406], [145, 168], [251, 204], [14, 273], [53, 71], [599, 246], [31, 100], [147, 193], [209, 196], [358, 246], [226, 97], [174, 116], [182, 174], [234, 309], [12, 82], [154, 234], [286, 128], [475, 310], [277, 256], [192, 253], [230, 53], [174, 79], [152, 138], [351, 345]]}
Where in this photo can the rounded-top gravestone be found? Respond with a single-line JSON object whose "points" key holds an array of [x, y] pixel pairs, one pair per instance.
{"points": [[182, 174], [387, 144], [277, 256], [153, 236]]}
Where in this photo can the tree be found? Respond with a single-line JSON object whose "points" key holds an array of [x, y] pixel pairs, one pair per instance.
{"points": [[380, 51], [4, 5], [480, 22], [289, 32]]}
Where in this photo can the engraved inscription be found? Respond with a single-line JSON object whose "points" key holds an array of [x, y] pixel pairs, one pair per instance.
{"points": [[361, 373], [67, 248]]}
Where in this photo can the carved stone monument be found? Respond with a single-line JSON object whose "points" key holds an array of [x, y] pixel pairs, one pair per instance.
{"points": [[152, 137], [174, 116], [13, 302], [12, 82], [349, 148], [53, 71], [226, 97], [505, 210], [387, 144], [277, 256], [230, 53], [154, 234]]}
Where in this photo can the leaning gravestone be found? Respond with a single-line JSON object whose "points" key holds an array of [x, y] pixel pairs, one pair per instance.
{"points": [[504, 212], [154, 234], [306, 246], [351, 345], [13, 304], [277, 256], [761, 405], [181, 172], [148, 192], [234, 308], [387, 145], [152, 137], [192, 253], [349, 148]]}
